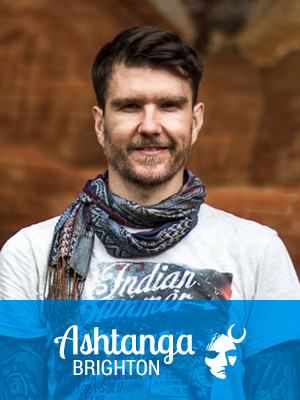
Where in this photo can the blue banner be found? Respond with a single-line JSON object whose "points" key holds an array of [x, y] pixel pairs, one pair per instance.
{"points": [[145, 349]]}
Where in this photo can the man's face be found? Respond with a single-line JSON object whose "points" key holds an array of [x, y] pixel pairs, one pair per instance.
{"points": [[149, 125], [220, 355]]}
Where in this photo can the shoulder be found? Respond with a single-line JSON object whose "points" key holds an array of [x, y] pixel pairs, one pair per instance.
{"points": [[239, 240], [255, 249], [24, 260], [235, 227], [40, 233]]}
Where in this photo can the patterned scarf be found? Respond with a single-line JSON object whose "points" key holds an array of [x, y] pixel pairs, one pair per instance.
{"points": [[98, 211]]}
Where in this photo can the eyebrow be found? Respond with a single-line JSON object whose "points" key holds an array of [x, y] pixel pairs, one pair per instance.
{"points": [[120, 101]]}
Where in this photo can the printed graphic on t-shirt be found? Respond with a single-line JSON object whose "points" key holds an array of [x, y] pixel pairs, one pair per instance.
{"points": [[156, 281]]}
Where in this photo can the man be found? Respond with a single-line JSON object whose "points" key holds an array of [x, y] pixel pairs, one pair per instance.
{"points": [[141, 230]]}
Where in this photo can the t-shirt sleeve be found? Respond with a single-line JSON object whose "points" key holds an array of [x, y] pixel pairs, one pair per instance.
{"points": [[20, 279], [19, 275], [276, 276]]}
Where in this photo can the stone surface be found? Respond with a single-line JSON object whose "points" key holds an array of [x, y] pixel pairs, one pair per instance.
{"points": [[231, 92], [276, 150], [271, 31]]}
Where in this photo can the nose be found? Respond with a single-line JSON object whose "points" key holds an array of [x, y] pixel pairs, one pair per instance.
{"points": [[222, 360], [149, 124]]}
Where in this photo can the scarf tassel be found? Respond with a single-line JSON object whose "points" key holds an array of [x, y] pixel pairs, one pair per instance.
{"points": [[63, 282]]}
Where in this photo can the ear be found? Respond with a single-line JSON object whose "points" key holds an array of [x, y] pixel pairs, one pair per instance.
{"points": [[99, 124], [198, 112]]}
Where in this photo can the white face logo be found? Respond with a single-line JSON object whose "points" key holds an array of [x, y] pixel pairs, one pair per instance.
{"points": [[221, 353]]}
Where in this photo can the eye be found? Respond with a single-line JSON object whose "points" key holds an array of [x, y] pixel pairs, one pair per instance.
{"points": [[231, 353], [169, 106], [211, 354], [131, 107]]}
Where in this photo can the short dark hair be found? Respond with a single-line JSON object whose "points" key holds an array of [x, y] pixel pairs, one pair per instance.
{"points": [[153, 46]]}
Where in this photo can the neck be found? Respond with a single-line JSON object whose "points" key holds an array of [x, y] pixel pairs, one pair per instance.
{"points": [[141, 194]]}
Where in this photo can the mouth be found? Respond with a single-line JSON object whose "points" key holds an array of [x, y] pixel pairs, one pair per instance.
{"points": [[151, 150], [221, 371]]}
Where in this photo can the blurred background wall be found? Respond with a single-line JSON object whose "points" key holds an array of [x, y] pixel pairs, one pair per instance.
{"points": [[248, 154]]}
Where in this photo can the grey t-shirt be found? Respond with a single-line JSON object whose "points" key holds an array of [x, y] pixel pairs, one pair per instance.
{"points": [[224, 257]]}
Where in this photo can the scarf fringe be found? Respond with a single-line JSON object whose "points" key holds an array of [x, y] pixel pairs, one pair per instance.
{"points": [[63, 282]]}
